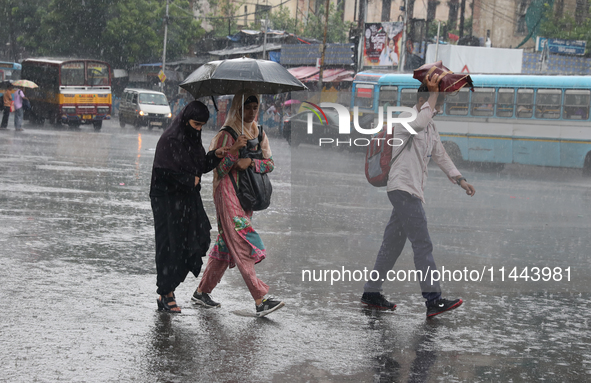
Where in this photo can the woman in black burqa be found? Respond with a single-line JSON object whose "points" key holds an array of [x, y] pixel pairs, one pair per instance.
{"points": [[181, 224]]}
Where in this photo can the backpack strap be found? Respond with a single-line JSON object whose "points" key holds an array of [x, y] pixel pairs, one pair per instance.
{"points": [[407, 144], [231, 131], [235, 135]]}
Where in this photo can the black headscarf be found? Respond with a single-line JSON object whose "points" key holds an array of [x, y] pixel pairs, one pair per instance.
{"points": [[179, 148]]}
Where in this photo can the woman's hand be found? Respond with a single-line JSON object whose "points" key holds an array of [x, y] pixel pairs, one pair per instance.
{"points": [[244, 163], [238, 144], [197, 180], [221, 152]]}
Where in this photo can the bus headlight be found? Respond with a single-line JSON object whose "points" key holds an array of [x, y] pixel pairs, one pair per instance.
{"points": [[169, 115], [103, 110], [142, 113], [68, 110]]}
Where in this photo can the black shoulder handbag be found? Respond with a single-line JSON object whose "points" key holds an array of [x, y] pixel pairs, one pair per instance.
{"points": [[253, 189]]}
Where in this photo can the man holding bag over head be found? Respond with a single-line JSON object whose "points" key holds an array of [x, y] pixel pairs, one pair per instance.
{"points": [[406, 182]]}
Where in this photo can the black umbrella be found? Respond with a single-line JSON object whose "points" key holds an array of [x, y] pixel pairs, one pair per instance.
{"points": [[217, 78]]}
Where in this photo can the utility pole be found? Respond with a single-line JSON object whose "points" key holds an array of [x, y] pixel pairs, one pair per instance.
{"points": [[403, 53], [437, 44], [323, 45], [265, 39], [164, 50], [362, 7], [462, 10]]}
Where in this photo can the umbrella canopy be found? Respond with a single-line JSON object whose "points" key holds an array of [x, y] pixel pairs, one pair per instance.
{"points": [[290, 102], [217, 78], [25, 84]]}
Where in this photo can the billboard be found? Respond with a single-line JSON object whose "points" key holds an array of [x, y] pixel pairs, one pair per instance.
{"points": [[560, 46], [382, 44]]}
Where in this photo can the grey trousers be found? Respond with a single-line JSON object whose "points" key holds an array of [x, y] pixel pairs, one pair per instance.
{"points": [[408, 220]]}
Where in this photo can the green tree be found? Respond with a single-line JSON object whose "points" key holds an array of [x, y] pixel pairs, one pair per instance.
{"points": [[565, 27], [225, 19], [338, 29], [74, 27], [121, 32], [136, 33], [281, 20], [19, 23]]}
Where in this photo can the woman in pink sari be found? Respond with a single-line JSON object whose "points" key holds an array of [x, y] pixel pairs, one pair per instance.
{"points": [[237, 244]]}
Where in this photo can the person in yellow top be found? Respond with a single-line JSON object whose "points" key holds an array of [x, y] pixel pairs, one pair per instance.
{"points": [[7, 100]]}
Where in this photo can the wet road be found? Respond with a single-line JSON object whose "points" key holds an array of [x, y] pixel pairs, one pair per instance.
{"points": [[78, 275]]}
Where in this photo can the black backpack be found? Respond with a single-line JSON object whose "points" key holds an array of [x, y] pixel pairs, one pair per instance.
{"points": [[253, 189]]}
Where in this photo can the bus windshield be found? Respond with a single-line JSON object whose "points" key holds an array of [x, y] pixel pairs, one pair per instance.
{"points": [[73, 74], [97, 73], [153, 99]]}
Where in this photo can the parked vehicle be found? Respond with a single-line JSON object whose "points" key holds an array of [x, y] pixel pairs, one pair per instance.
{"points": [[72, 91], [325, 133], [143, 107]]}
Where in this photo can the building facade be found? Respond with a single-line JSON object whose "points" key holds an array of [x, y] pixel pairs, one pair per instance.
{"points": [[505, 20]]}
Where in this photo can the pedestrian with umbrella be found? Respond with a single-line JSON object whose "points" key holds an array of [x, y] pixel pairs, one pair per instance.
{"points": [[19, 99], [238, 243]]}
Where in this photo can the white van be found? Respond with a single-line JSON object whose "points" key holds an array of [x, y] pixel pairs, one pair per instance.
{"points": [[143, 107]]}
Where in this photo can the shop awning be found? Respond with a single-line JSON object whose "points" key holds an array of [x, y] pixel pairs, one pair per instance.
{"points": [[332, 75], [303, 72]]}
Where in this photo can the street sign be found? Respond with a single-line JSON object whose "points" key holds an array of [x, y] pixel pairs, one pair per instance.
{"points": [[560, 46], [161, 76]]}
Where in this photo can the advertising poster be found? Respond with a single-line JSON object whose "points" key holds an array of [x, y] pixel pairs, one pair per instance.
{"points": [[382, 44]]}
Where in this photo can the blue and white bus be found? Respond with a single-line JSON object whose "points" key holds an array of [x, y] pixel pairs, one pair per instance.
{"points": [[534, 120], [10, 71]]}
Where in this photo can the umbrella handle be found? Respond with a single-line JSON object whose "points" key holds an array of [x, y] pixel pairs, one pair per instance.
{"points": [[214, 104]]}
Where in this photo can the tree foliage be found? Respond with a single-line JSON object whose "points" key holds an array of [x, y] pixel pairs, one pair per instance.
{"points": [[338, 29], [281, 20], [121, 32], [225, 19], [565, 27]]}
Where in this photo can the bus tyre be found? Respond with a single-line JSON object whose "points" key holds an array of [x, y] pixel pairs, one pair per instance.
{"points": [[453, 150], [587, 166], [97, 125], [121, 122]]}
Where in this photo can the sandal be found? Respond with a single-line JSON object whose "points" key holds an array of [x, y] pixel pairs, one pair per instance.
{"points": [[164, 304]]}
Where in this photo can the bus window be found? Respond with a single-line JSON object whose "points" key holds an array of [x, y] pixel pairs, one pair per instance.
{"points": [[505, 102], [457, 104], [408, 97], [576, 104], [364, 96], [482, 101], [388, 96], [97, 74], [548, 103], [525, 103], [73, 74]]}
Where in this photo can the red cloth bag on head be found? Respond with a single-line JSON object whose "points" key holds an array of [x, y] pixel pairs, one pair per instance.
{"points": [[450, 82]]}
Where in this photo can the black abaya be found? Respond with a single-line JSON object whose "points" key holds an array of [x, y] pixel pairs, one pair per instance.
{"points": [[180, 222]]}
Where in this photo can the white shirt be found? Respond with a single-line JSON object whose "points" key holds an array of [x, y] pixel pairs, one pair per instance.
{"points": [[409, 171]]}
